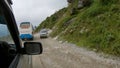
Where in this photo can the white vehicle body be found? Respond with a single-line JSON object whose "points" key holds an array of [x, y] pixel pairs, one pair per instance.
{"points": [[43, 33], [26, 30]]}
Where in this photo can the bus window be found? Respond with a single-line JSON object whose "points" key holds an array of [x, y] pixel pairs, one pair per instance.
{"points": [[25, 25]]}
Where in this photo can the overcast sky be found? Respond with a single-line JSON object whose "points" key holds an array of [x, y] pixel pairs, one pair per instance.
{"points": [[35, 11]]}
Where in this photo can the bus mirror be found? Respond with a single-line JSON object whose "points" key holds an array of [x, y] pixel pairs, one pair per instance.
{"points": [[33, 48]]}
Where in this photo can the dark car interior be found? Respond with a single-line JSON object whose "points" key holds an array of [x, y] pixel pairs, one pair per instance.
{"points": [[5, 57]]}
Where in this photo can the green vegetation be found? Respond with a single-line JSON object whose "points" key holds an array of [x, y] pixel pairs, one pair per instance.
{"points": [[96, 26]]}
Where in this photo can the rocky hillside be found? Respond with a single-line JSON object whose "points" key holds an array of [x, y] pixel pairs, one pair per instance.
{"points": [[94, 24]]}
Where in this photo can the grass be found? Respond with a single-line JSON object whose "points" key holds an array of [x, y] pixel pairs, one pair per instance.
{"points": [[96, 26]]}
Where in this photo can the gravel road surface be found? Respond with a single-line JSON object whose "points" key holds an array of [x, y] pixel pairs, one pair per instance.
{"points": [[65, 55]]}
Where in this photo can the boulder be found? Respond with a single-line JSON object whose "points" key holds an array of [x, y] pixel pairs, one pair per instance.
{"points": [[69, 1], [80, 4], [73, 11], [83, 3]]}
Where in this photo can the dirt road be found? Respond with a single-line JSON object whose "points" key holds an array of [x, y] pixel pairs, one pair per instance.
{"points": [[64, 55]]}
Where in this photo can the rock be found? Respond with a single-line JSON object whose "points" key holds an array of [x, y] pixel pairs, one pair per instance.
{"points": [[83, 3], [60, 41], [86, 30], [55, 38], [80, 4], [69, 1], [68, 22], [73, 11], [82, 30], [95, 50], [87, 2]]}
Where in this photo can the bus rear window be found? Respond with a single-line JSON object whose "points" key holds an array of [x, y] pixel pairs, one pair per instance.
{"points": [[24, 25]]}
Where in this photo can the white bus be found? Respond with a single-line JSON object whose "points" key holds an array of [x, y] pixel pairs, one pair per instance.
{"points": [[26, 31]]}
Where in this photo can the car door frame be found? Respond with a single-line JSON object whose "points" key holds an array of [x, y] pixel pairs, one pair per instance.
{"points": [[12, 26]]}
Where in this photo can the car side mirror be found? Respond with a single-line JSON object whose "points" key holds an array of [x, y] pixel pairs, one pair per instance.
{"points": [[33, 48]]}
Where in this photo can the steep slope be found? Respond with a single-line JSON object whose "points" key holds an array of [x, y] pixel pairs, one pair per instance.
{"points": [[94, 24]]}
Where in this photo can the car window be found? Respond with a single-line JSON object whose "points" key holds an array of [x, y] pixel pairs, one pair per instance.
{"points": [[43, 31], [4, 32]]}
